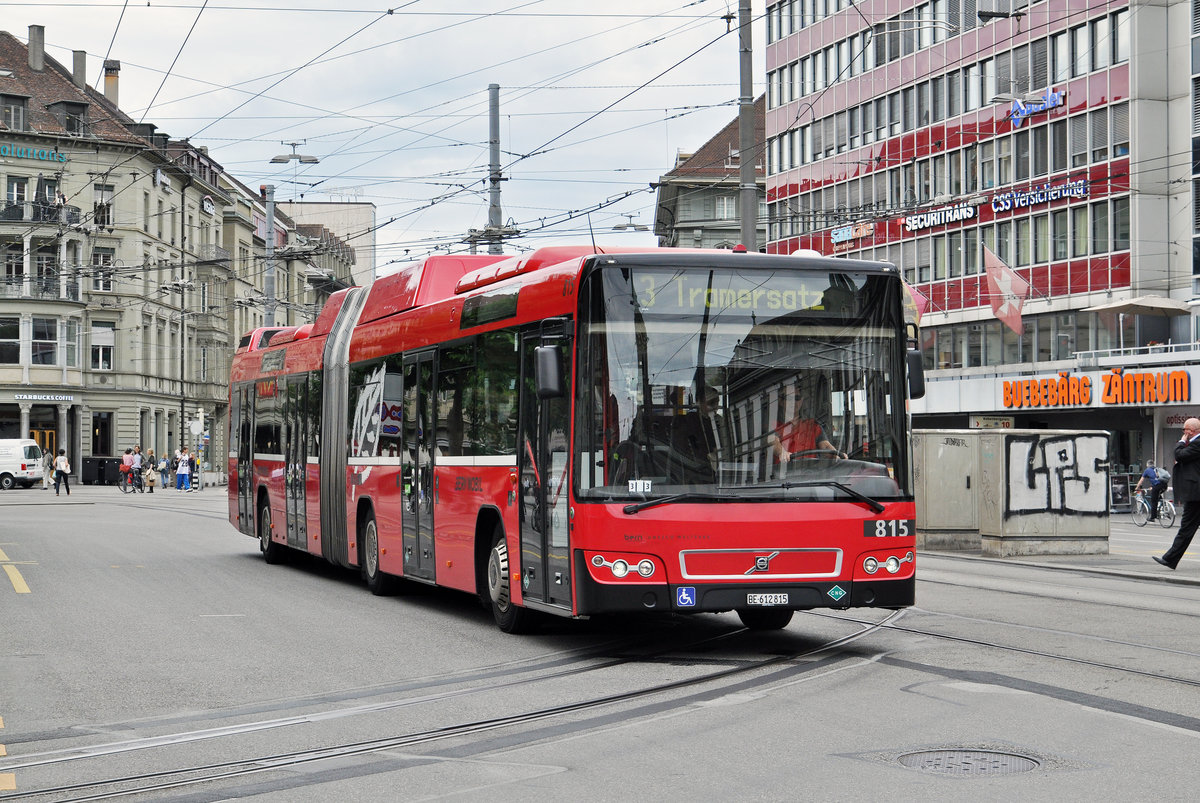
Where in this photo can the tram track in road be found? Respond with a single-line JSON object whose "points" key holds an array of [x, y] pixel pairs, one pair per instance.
{"points": [[737, 677], [1033, 652], [556, 663]]}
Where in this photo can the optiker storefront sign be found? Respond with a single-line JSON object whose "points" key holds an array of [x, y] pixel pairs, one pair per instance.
{"points": [[1021, 109], [13, 150]]}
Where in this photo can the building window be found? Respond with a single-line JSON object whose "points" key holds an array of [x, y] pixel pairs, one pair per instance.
{"points": [[14, 269], [1079, 148], [1060, 54], [102, 269], [102, 214], [1041, 239], [1120, 224], [1062, 234], [72, 117], [44, 345], [1100, 228], [13, 110], [1004, 173], [104, 339], [1058, 145], [71, 342], [1079, 224], [18, 189], [10, 341], [1023, 241], [1080, 57], [1120, 129], [1120, 38], [1099, 129], [1101, 47]]}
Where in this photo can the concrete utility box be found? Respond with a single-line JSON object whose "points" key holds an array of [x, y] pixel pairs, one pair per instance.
{"points": [[1012, 491]]}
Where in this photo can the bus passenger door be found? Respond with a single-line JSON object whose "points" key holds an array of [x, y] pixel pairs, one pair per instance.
{"points": [[542, 445], [416, 466], [295, 458], [243, 425]]}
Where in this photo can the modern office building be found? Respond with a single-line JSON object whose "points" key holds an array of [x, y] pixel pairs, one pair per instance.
{"points": [[1056, 135]]}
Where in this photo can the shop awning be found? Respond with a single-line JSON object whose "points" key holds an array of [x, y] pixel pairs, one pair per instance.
{"points": [[1144, 305]]}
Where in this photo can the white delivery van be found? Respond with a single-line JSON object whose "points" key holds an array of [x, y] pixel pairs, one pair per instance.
{"points": [[20, 462]]}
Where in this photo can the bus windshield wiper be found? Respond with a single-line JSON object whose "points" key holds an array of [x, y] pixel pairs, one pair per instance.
{"points": [[866, 500], [691, 496]]}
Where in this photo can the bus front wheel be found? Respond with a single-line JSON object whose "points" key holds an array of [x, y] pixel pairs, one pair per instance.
{"points": [[765, 618], [509, 617]]}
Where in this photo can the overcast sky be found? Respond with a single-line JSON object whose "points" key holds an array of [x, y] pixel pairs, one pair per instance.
{"points": [[595, 100]]}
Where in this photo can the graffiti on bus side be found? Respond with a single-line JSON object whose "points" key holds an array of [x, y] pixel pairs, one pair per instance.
{"points": [[364, 431], [1058, 474]]}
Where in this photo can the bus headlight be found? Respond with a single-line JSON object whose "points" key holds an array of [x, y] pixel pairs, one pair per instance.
{"points": [[892, 564], [629, 566]]}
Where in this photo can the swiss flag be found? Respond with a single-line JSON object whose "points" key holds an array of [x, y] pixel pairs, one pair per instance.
{"points": [[915, 303], [1006, 289]]}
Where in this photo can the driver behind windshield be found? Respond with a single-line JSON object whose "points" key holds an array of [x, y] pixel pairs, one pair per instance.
{"points": [[800, 434]]}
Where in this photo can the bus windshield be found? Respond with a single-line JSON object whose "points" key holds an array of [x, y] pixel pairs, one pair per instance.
{"points": [[740, 384]]}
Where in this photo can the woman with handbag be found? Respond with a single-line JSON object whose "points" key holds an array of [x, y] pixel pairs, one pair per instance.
{"points": [[150, 472], [62, 471]]}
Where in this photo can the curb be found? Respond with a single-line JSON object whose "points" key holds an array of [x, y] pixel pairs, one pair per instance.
{"points": [[1160, 576]]}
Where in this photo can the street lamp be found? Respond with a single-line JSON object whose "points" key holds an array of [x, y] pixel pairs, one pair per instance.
{"points": [[298, 158], [269, 189], [629, 225]]}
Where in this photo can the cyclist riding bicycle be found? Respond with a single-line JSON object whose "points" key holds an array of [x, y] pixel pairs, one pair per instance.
{"points": [[1156, 480]]}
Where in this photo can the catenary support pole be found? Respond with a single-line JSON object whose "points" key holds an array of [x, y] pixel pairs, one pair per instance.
{"points": [[747, 150]]}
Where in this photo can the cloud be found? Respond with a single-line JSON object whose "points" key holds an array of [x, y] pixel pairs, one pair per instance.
{"points": [[395, 106]]}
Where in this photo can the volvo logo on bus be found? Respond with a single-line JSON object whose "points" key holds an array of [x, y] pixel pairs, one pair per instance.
{"points": [[762, 563]]}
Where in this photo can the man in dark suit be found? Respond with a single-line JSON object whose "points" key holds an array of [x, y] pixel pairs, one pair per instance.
{"points": [[1187, 491]]}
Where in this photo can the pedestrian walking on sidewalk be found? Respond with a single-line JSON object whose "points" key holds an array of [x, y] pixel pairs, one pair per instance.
{"points": [[183, 472], [62, 471], [47, 469], [1187, 491]]}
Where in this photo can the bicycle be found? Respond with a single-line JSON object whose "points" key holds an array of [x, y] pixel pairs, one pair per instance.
{"points": [[1141, 510], [129, 482]]}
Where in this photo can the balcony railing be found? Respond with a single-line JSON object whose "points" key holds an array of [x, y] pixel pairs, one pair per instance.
{"points": [[46, 287], [213, 253], [31, 212]]}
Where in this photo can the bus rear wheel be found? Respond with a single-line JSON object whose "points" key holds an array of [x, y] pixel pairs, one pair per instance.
{"points": [[378, 583], [765, 618], [272, 552], [509, 617]]}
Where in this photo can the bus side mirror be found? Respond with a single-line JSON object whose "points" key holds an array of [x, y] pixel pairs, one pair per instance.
{"points": [[546, 373], [916, 374]]}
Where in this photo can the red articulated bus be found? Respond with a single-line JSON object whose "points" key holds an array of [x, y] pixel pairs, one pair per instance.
{"points": [[573, 433]]}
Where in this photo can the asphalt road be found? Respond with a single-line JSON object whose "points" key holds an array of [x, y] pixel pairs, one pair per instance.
{"points": [[146, 636]]}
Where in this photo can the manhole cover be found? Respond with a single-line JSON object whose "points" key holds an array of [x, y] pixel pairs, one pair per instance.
{"points": [[968, 762]]}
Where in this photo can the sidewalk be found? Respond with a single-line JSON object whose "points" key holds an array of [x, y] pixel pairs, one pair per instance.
{"points": [[1137, 567], [90, 494]]}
